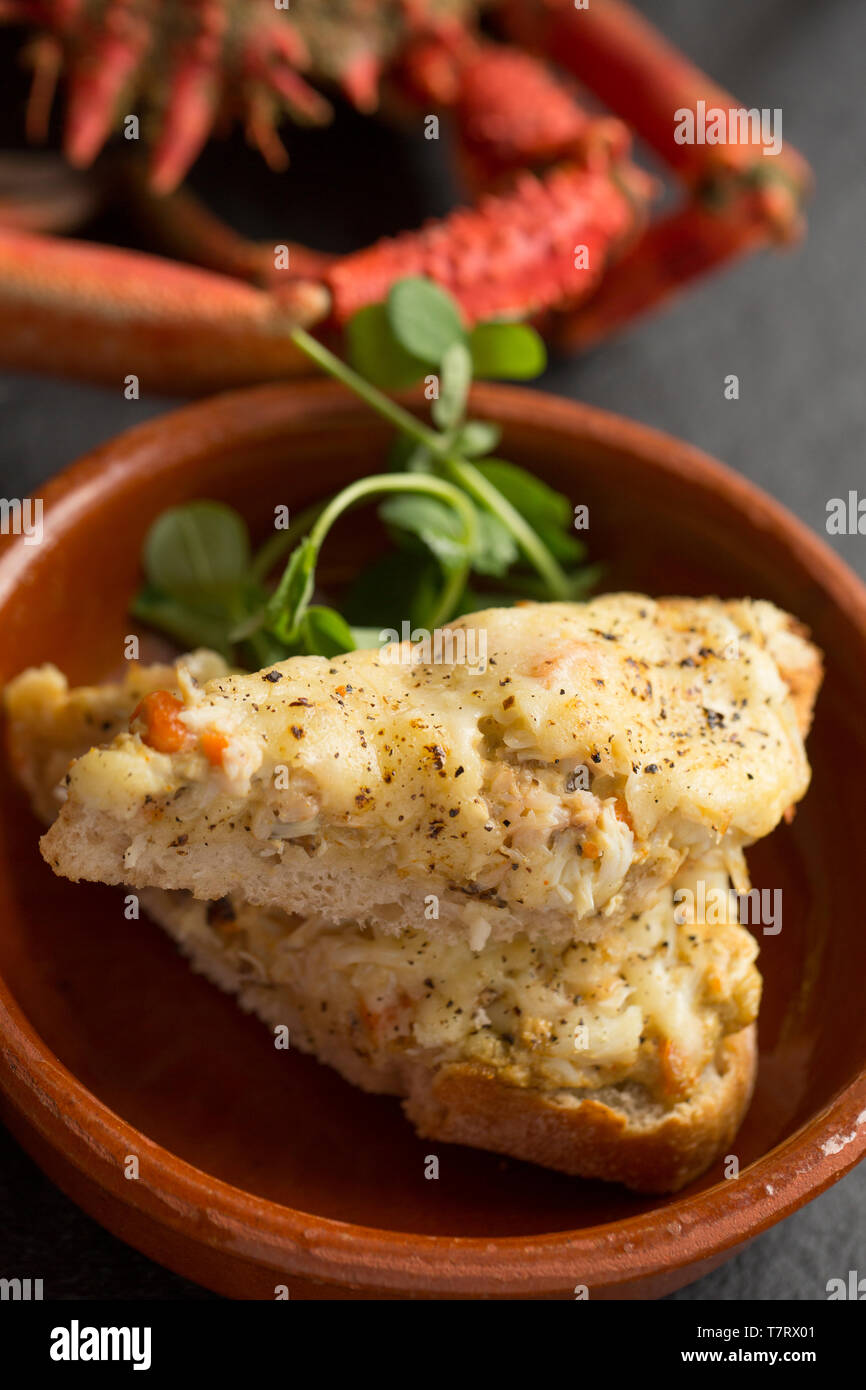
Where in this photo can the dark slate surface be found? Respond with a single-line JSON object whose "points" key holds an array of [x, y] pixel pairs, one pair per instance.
{"points": [[791, 327]]}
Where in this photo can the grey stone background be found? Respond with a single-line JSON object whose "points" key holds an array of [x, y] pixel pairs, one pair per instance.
{"points": [[792, 327]]}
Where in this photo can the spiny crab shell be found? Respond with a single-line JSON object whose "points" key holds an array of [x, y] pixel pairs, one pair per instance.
{"points": [[185, 66]]}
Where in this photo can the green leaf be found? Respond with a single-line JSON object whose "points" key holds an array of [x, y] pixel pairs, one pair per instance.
{"points": [[473, 601], [438, 528], [376, 354], [497, 549], [476, 438], [408, 456], [567, 549], [325, 632], [585, 580], [532, 498], [197, 552], [549, 513], [400, 585], [511, 351], [286, 606], [435, 524], [455, 378], [263, 649], [366, 638], [189, 627], [424, 319]]}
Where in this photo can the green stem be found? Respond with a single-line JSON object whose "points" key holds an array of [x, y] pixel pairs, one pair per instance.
{"points": [[456, 576], [466, 474], [377, 400], [276, 546], [473, 481]]}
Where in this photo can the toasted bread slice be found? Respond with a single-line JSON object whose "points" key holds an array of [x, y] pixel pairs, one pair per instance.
{"points": [[550, 783], [615, 1135], [633, 1105]]}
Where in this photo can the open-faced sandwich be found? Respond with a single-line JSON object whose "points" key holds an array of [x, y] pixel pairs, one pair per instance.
{"points": [[457, 867], [457, 883], [555, 792]]}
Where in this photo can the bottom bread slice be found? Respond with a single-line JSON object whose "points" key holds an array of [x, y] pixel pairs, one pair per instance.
{"points": [[615, 1135], [621, 1131]]}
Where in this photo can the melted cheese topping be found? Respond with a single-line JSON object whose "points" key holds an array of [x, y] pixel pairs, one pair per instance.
{"points": [[603, 744], [673, 715], [49, 723]]}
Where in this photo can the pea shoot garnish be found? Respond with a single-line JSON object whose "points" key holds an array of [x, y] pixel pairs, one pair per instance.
{"points": [[459, 517]]}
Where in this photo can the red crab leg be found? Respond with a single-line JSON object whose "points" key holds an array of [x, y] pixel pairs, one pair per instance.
{"points": [[73, 308], [515, 253], [512, 111], [194, 93], [181, 328], [181, 226], [108, 59], [672, 252], [742, 197], [40, 193], [643, 78]]}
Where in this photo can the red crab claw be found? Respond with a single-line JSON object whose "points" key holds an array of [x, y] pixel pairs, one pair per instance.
{"points": [[742, 197], [512, 113]]}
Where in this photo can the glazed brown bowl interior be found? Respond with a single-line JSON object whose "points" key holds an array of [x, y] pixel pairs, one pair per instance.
{"points": [[177, 1062]]}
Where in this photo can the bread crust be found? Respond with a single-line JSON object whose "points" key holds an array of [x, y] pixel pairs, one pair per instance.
{"points": [[465, 1103], [800, 662]]}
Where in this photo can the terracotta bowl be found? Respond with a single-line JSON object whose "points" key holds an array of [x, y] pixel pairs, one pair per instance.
{"points": [[261, 1168]]}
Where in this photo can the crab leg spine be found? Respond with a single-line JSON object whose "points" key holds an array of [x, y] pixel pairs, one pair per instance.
{"points": [[107, 62]]}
